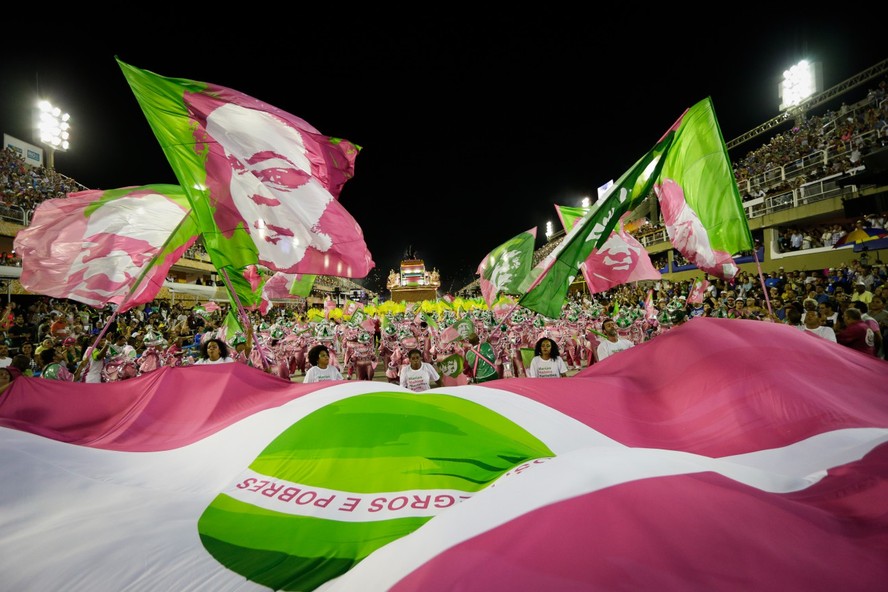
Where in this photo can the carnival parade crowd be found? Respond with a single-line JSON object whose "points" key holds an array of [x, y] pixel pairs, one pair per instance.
{"points": [[57, 339]]}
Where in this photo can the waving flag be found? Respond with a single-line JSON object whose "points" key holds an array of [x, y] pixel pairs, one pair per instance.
{"points": [[690, 172], [698, 291], [503, 269], [285, 286], [620, 260], [264, 184], [698, 195], [100, 247], [649, 311], [255, 483]]}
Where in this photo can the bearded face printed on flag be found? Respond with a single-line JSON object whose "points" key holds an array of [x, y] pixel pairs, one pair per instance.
{"points": [[263, 183], [620, 260], [260, 176], [100, 247], [268, 484]]}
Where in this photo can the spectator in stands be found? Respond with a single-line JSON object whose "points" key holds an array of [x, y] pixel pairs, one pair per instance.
{"points": [[878, 312], [857, 334], [873, 324], [5, 379], [27, 350], [828, 314], [861, 293], [820, 294], [59, 326], [793, 318], [813, 324]]}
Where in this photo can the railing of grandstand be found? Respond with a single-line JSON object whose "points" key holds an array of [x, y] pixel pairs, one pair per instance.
{"points": [[822, 189], [14, 214], [807, 166]]}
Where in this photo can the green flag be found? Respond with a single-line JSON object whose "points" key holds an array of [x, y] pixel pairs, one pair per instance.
{"points": [[503, 269], [690, 172], [302, 284], [451, 366]]}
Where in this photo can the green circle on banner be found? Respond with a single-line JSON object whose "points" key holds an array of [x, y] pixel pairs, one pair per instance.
{"points": [[354, 476]]}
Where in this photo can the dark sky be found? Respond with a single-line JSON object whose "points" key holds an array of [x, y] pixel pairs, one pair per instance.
{"points": [[471, 133]]}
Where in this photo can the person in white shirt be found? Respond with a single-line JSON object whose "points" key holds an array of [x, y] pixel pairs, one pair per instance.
{"points": [[5, 360], [418, 376], [612, 343], [812, 324], [321, 370], [547, 361]]}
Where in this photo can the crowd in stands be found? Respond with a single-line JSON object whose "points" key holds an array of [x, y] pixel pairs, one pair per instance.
{"points": [[23, 187], [843, 136], [814, 236]]}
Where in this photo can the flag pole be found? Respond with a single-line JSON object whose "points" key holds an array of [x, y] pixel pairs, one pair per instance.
{"points": [[758, 266], [242, 313]]}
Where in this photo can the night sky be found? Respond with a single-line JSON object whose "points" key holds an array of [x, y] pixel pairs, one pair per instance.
{"points": [[470, 133]]}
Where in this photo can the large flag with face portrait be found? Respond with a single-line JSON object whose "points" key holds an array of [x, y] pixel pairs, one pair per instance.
{"points": [[264, 184], [106, 246], [690, 173], [746, 456]]}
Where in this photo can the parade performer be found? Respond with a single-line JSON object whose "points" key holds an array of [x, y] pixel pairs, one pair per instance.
{"points": [[480, 360]]}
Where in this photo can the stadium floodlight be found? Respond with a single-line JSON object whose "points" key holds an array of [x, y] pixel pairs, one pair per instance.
{"points": [[800, 82], [54, 128], [549, 230]]}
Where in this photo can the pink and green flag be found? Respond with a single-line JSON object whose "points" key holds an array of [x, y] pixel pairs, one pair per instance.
{"points": [[699, 291], [620, 260], [302, 284], [698, 194], [264, 184], [286, 286], [100, 247], [691, 174], [503, 269]]}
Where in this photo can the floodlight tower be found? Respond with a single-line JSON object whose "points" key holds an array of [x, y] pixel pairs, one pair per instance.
{"points": [[800, 82], [54, 130]]}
